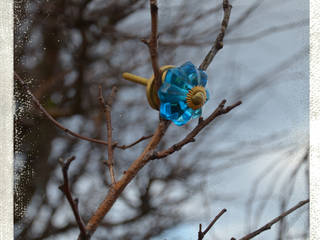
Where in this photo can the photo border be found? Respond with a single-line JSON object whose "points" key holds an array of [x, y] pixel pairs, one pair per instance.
{"points": [[314, 118], [7, 111]]}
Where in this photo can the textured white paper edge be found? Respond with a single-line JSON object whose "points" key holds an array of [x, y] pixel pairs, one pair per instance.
{"points": [[314, 119], [6, 122]]}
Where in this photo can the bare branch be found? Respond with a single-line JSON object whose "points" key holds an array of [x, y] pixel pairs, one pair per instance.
{"points": [[218, 44], [191, 136], [132, 144], [144, 158], [107, 111], [65, 188], [116, 190], [152, 43], [273, 221], [55, 122], [202, 234]]}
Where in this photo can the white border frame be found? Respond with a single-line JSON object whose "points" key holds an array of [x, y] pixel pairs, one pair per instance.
{"points": [[6, 123], [314, 119]]}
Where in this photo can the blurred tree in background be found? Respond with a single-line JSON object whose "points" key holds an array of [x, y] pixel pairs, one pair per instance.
{"points": [[253, 161]]}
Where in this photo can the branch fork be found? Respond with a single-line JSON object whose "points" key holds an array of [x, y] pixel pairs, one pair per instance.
{"points": [[202, 234], [73, 202]]}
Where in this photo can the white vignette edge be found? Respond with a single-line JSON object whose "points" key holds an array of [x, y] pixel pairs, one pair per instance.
{"points": [[6, 113], [314, 119], [6, 126]]}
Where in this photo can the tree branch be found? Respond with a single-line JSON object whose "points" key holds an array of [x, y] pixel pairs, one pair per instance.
{"points": [[55, 122], [74, 203], [107, 111], [218, 44], [116, 190], [202, 234], [144, 158], [220, 110], [152, 43], [273, 221], [132, 144]]}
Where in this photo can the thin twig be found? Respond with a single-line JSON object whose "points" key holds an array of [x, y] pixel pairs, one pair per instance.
{"points": [[218, 44], [107, 110], [55, 122], [152, 43], [214, 221], [273, 221], [191, 136], [74, 203], [202, 234], [132, 144]]}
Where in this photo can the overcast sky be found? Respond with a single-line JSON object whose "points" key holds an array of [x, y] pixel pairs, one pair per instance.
{"points": [[284, 107]]}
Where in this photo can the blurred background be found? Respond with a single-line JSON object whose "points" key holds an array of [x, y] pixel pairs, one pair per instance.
{"points": [[252, 161]]}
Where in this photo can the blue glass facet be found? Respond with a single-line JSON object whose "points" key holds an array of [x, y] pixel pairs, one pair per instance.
{"points": [[208, 95], [197, 113], [184, 118], [173, 92], [204, 78], [191, 74]]}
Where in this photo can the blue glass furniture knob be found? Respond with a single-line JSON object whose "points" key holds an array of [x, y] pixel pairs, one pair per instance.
{"points": [[181, 95]]}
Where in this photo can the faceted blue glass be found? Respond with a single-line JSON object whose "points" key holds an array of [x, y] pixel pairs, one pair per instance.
{"points": [[173, 92], [184, 118], [204, 78], [208, 95], [197, 113], [177, 78]]}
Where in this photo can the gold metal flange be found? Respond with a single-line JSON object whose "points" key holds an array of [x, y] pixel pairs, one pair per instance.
{"points": [[196, 97], [151, 92]]}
